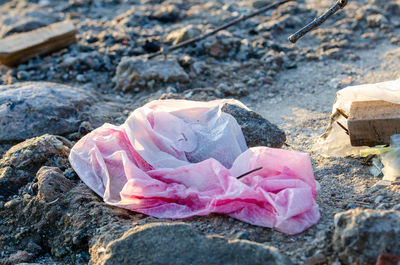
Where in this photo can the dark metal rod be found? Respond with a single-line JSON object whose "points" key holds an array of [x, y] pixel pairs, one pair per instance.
{"points": [[344, 128], [340, 4], [249, 172], [226, 25]]}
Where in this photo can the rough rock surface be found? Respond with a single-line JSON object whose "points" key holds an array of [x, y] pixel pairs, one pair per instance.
{"points": [[183, 34], [51, 183], [19, 165], [257, 130], [360, 236], [133, 73], [178, 243], [32, 109]]}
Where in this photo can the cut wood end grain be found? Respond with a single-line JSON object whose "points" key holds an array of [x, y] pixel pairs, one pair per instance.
{"points": [[21, 47]]}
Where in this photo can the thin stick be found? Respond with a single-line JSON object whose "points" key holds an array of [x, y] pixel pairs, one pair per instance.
{"points": [[249, 172], [344, 128], [341, 112], [340, 4], [227, 25]]}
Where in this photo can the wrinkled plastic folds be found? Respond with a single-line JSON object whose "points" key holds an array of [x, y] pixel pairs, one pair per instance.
{"points": [[177, 158], [336, 142]]}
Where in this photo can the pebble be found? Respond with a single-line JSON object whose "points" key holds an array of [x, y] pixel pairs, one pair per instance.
{"points": [[396, 207], [12, 203], [80, 78], [23, 75], [379, 199]]}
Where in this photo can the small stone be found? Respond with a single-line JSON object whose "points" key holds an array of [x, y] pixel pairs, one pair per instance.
{"points": [[52, 184], [379, 199], [19, 257], [183, 34], [221, 45], [377, 21], [242, 235], [12, 203], [334, 53], [133, 72], [166, 13], [316, 259], [23, 75], [381, 206], [80, 78]]}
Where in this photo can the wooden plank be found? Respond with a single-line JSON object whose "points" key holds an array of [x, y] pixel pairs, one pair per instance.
{"points": [[20, 48], [372, 123]]}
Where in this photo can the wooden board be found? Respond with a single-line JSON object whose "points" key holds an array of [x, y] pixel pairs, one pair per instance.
{"points": [[372, 123], [21, 47]]}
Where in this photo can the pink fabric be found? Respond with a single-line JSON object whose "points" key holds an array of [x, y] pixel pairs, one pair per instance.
{"points": [[176, 159]]}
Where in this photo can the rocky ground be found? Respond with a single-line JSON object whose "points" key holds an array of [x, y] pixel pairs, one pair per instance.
{"points": [[48, 216]]}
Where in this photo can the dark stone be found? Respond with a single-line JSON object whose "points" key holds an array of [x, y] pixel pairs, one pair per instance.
{"points": [[257, 130], [51, 183], [20, 164], [34, 108], [179, 244], [166, 13], [25, 27], [360, 236]]}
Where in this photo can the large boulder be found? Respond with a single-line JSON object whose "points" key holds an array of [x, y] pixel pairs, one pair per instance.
{"points": [[256, 129], [178, 243], [360, 236], [32, 109]]}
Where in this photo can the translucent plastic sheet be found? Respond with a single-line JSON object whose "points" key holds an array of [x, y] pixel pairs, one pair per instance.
{"points": [[335, 142], [177, 158]]}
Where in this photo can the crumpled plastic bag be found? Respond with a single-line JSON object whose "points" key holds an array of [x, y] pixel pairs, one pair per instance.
{"points": [[177, 158], [335, 142]]}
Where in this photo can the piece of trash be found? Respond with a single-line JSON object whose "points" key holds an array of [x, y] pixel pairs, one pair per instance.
{"points": [[388, 259], [19, 48], [371, 123], [388, 162], [179, 158], [336, 141]]}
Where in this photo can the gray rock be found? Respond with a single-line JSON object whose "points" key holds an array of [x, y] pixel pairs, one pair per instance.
{"points": [[257, 130], [25, 26], [20, 164], [167, 13], [134, 72], [183, 34], [32, 109], [24, 17], [377, 21], [178, 243], [360, 236], [221, 45], [51, 183]]}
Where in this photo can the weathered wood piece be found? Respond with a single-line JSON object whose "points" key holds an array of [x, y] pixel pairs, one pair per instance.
{"points": [[372, 123], [20, 48]]}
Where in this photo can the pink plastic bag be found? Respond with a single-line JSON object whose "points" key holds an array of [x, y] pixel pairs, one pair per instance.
{"points": [[177, 158]]}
